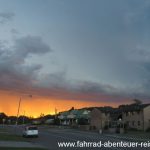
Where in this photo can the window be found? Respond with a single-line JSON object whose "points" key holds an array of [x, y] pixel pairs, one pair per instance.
{"points": [[139, 123], [132, 113], [128, 123], [32, 128], [138, 112], [128, 113], [133, 123]]}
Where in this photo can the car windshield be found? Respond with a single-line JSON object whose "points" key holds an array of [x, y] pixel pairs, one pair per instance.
{"points": [[32, 128]]}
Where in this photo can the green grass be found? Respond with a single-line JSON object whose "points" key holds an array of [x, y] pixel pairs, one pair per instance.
{"points": [[12, 148], [7, 135], [139, 133], [136, 134], [3, 129], [11, 137]]}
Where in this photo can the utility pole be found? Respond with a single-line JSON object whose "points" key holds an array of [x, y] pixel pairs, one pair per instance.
{"points": [[18, 111], [23, 116], [55, 113]]}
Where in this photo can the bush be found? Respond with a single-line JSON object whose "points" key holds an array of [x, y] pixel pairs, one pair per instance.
{"points": [[106, 127], [56, 121], [148, 130], [83, 121], [132, 129]]}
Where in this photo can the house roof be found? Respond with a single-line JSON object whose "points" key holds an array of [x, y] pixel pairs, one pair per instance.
{"points": [[78, 113], [116, 113], [81, 114], [74, 112], [132, 107], [105, 109], [65, 113]]}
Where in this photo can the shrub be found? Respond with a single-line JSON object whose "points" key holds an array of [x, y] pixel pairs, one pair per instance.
{"points": [[148, 130]]}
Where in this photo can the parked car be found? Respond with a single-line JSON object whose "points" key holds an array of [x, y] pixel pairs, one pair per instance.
{"points": [[30, 131]]}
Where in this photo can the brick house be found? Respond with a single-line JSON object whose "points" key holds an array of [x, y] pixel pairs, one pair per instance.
{"points": [[100, 117], [133, 116], [136, 116]]}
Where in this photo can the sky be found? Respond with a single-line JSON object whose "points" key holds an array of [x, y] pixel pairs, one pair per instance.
{"points": [[69, 53]]}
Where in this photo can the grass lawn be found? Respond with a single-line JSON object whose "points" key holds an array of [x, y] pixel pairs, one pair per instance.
{"points": [[3, 129], [10, 148], [138, 134], [11, 137], [8, 135]]}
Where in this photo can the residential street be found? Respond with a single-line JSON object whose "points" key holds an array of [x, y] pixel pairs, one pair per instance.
{"points": [[49, 138]]}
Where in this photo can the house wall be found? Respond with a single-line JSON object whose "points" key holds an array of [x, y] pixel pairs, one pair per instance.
{"points": [[146, 117], [98, 119], [133, 119]]}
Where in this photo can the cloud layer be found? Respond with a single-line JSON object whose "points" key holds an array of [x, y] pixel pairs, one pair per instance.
{"points": [[17, 76], [6, 16], [107, 42], [14, 73]]}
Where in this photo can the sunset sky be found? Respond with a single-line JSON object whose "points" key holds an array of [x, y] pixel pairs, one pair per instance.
{"points": [[69, 53]]}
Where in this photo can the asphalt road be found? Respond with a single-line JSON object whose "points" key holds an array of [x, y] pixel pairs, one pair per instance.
{"points": [[49, 138]]}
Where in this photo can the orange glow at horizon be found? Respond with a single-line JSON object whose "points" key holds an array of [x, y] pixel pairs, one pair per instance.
{"points": [[36, 106]]}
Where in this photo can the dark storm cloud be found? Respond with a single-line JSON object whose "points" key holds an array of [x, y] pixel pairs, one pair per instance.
{"points": [[14, 73], [59, 80], [30, 45], [23, 48], [14, 31], [6, 16], [56, 85], [117, 52]]}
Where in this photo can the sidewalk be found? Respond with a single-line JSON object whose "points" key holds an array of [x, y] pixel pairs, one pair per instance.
{"points": [[19, 144], [129, 137]]}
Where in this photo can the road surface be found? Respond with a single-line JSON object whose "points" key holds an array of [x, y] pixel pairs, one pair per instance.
{"points": [[50, 137]]}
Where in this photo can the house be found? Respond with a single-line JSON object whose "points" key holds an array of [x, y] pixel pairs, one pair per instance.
{"points": [[36, 121], [74, 117], [3, 118], [133, 116], [63, 118], [49, 121], [100, 117], [83, 116], [136, 116]]}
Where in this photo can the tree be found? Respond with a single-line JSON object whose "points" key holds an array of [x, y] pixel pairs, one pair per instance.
{"points": [[137, 101], [2, 116]]}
